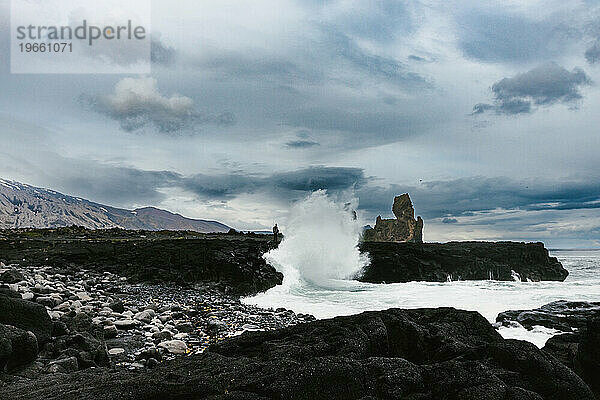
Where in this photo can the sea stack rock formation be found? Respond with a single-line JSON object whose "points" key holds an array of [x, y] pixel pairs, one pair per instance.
{"points": [[405, 228]]}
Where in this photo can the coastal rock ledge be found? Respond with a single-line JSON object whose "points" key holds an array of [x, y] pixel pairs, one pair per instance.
{"points": [[420, 354], [439, 262]]}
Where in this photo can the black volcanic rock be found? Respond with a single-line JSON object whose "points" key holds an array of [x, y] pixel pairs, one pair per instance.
{"points": [[438, 262], [234, 262], [17, 347], [580, 351], [414, 354], [587, 361], [579, 348], [11, 276], [560, 315], [26, 315]]}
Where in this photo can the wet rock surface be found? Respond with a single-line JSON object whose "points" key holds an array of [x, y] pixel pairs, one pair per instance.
{"points": [[439, 262], [565, 316], [99, 320], [414, 354], [579, 347], [580, 351]]}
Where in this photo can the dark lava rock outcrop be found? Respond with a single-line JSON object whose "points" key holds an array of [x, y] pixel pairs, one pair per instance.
{"points": [[580, 351], [561, 315], [579, 348], [404, 228], [234, 262], [412, 354], [404, 262]]}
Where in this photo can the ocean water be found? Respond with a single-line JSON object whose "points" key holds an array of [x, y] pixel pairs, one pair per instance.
{"points": [[318, 266]]}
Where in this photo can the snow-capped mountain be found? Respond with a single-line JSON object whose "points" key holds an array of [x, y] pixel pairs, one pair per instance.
{"points": [[25, 206]]}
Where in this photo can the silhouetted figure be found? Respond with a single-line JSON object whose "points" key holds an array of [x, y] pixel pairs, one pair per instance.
{"points": [[276, 234]]}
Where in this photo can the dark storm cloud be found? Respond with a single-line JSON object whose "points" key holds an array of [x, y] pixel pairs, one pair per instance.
{"points": [[315, 178], [435, 199], [282, 184], [137, 102], [462, 197], [301, 144], [545, 85]]}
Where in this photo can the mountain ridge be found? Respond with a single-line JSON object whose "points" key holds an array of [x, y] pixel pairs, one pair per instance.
{"points": [[26, 206]]}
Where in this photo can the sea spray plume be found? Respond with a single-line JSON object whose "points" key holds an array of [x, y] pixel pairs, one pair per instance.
{"points": [[320, 243]]}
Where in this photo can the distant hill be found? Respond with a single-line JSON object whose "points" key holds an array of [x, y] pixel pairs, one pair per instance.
{"points": [[25, 206]]}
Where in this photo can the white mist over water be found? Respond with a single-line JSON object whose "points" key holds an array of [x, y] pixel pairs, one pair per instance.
{"points": [[320, 245], [318, 258]]}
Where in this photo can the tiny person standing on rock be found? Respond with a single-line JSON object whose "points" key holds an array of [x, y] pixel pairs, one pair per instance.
{"points": [[276, 234]]}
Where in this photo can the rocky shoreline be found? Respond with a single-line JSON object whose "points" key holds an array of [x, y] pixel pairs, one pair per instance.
{"points": [[439, 353], [100, 320], [81, 320], [95, 335]]}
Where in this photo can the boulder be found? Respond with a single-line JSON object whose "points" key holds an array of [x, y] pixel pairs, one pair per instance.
{"points": [[63, 365], [7, 292], [185, 327], [404, 228], [11, 276], [117, 306], [145, 316], [174, 346], [26, 315], [17, 347], [579, 348], [110, 332], [89, 351], [126, 324], [215, 326]]}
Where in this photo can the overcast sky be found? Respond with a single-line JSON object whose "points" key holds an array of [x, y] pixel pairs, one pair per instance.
{"points": [[485, 112]]}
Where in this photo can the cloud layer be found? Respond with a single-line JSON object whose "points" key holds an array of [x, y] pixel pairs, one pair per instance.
{"points": [[542, 86], [252, 104], [137, 102]]}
